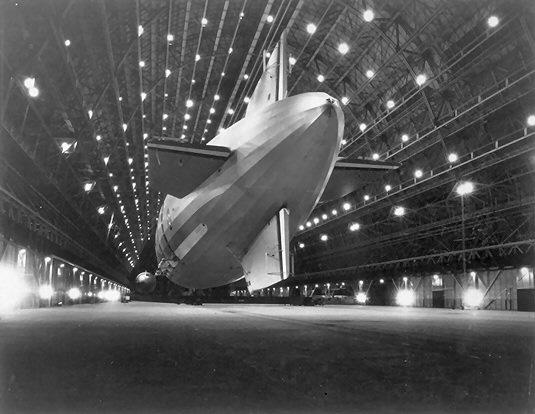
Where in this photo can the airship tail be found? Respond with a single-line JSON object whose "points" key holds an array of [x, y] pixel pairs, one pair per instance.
{"points": [[272, 85], [268, 259]]}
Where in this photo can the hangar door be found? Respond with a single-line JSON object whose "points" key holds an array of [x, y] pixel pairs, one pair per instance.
{"points": [[526, 300]]}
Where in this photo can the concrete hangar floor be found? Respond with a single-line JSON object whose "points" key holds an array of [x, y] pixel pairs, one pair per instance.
{"points": [[162, 358]]}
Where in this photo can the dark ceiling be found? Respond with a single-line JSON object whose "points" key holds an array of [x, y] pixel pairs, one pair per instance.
{"points": [[111, 74]]}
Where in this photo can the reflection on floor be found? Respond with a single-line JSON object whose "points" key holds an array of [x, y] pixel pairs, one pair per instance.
{"points": [[149, 357]]}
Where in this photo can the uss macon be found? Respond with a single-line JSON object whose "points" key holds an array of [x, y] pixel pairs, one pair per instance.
{"points": [[233, 205]]}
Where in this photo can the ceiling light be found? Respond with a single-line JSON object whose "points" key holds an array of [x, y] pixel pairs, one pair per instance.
{"points": [[493, 21], [216, 97], [375, 156], [165, 116], [343, 48], [270, 19], [354, 226], [388, 187], [464, 188], [324, 216], [399, 211], [67, 42], [308, 224], [130, 161], [362, 127], [421, 79], [143, 96], [452, 157], [346, 206], [197, 57], [29, 82], [170, 37], [316, 220], [141, 63], [366, 197], [311, 28], [345, 100], [324, 237], [212, 110], [246, 99], [204, 21], [390, 104], [343, 142], [187, 117], [321, 78], [184, 127], [404, 137], [531, 120], [301, 245], [368, 15], [334, 212], [101, 210], [222, 74], [106, 159], [140, 30], [189, 103], [418, 173], [230, 111], [370, 73], [145, 135], [246, 76], [98, 137], [229, 52], [125, 126], [167, 73], [301, 227], [292, 60], [33, 92]]}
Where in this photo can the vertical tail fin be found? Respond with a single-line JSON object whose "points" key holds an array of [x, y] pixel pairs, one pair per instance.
{"points": [[272, 85]]}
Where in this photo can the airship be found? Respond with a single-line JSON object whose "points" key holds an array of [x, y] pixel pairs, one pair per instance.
{"points": [[233, 205]]}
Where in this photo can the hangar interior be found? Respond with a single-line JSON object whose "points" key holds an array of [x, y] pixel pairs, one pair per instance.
{"points": [[444, 88]]}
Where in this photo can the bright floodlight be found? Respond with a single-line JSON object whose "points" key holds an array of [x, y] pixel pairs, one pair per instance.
{"points": [[246, 99], [366, 197], [418, 173], [189, 103], [354, 227], [345, 100], [197, 57], [405, 297], [101, 210], [368, 15], [217, 97], [346, 206], [88, 186], [29, 82], [493, 21], [362, 127], [324, 216], [140, 30], [343, 48], [324, 237], [375, 156], [204, 21], [301, 245], [473, 297], [141, 63], [292, 60], [187, 117], [361, 297], [452, 157], [370, 73], [404, 137], [45, 292], [212, 110], [311, 28], [531, 120], [464, 188], [343, 142], [230, 111], [388, 187], [167, 73], [308, 224], [301, 227], [74, 293], [270, 19], [316, 220], [399, 211], [170, 37], [67, 42], [334, 212], [33, 92], [321, 78], [390, 104], [143, 96], [421, 79]]}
